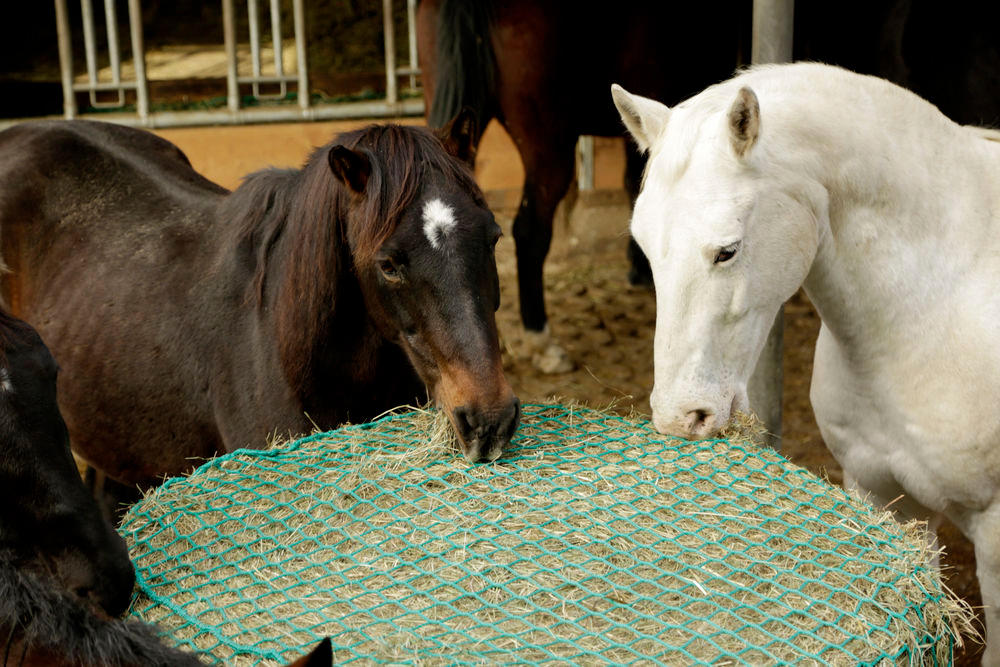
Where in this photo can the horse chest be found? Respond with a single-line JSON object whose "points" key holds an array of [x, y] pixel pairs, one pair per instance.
{"points": [[893, 437]]}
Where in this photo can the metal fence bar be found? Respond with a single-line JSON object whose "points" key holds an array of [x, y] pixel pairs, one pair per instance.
{"points": [[266, 78], [299, 18], [101, 86], [229, 36], [138, 60], [411, 29], [254, 16], [65, 59], [391, 93], [89, 46], [114, 55], [279, 56]]}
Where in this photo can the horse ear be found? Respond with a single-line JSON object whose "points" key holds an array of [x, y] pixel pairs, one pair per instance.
{"points": [[459, 136], [744, 121], [644, 118], [350, 167]]}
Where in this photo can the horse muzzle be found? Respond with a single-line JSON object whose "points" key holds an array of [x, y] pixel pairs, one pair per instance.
{"points": [[695, 419], [483, 433]]}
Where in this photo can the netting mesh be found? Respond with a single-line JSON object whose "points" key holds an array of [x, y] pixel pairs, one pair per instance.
{"points": [[594, 540]]}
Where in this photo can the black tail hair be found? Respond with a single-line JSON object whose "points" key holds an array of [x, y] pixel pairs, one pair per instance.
{"points": [[465, 63]]}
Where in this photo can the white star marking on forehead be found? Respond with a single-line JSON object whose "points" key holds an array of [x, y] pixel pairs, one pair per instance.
{"points": [[5, 382], [439, 219]]}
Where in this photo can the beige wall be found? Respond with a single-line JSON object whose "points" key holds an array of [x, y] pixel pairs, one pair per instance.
{"points": [[226, 154]]}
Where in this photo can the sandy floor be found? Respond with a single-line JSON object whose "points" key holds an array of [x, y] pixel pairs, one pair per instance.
{"points": [[606, 325]]}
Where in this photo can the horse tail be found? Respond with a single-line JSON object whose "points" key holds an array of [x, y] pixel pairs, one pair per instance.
{"points": [[465, 63]]}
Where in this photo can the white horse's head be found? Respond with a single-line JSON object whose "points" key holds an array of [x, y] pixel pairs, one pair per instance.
{"points": [[730, 235]]}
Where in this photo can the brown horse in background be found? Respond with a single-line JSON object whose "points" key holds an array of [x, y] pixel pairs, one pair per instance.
{"points": [[191, 321], [543, 69]]}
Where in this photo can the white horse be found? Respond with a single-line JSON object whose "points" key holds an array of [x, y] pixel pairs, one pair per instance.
{"points": [[888, 214]]}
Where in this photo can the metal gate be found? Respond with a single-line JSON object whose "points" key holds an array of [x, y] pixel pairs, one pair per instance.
{"points": [[113, 83]]}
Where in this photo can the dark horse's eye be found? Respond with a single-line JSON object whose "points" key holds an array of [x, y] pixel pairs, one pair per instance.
{"points": [[389, 270], [727, 253]]}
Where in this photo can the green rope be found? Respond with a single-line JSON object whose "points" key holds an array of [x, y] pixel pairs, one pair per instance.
{"points": [[594, 540]]}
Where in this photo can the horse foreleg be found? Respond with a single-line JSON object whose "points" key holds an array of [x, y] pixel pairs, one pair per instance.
{"points": [[639, 272], [546, 180], [986, 538]]}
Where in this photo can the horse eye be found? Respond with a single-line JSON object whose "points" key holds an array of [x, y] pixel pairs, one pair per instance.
{"points": [[389, 270], [727, 253]]}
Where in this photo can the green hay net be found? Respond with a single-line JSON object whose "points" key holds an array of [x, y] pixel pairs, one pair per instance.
{"points": [[593, 541]]}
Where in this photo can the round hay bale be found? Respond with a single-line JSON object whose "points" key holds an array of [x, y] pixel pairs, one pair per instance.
{"points": [[594, 540]]}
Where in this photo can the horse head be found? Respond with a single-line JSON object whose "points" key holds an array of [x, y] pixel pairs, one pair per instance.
{"points": [[730, 236], [430, 280], [49, 524]]}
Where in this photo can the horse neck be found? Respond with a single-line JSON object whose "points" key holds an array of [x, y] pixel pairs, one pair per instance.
{"points": [[905, 214]]}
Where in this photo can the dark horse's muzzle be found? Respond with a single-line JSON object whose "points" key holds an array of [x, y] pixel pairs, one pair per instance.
{"points": [[483, 433]]}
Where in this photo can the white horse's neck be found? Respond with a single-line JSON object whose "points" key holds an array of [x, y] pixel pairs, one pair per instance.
{"points": [[913, 199]]}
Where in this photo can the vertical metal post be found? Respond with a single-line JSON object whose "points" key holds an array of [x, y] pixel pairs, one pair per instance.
{"points": [[89, 47], [65, 59], [411, 29], [300, 53], [585, 160], [229, 36], [114, 55], [139, 58], [391, 94], [279, 56], [254, 16], [773, 22]]}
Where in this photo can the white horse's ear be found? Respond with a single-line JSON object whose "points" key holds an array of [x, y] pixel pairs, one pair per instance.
{"points": [[644, 118], [744, 122]]}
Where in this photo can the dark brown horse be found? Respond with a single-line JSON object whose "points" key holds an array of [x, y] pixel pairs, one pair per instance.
{"points": [[191, 321], [50, 527], [64, 571], [544, 69]]}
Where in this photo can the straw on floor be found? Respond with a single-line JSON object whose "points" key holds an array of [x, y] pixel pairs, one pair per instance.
{"points": [[595, 540]]}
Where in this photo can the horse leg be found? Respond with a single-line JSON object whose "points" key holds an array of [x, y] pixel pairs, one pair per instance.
{"points": [[639, 273], [113, 497], [548, 173], [986, 538]]}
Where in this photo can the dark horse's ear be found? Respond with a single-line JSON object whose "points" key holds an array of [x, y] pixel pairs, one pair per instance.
{"points": [[459, 136], [350, 167]]}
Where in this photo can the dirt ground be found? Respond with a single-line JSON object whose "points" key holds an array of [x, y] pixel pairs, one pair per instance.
{"points": [[606, 325]]}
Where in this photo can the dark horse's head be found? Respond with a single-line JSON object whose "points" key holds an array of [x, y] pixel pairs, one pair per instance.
{"points": [[422, 241], [50, 526]]}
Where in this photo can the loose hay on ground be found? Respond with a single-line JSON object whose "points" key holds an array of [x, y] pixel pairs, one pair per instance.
{"points": [[594, 540]]}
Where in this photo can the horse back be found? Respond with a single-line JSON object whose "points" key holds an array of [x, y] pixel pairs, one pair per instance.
{"points": [[109, 236], [80, 185]]}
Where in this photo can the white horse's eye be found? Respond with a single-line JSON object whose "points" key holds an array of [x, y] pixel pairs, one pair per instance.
{"points": [[726, 253]]}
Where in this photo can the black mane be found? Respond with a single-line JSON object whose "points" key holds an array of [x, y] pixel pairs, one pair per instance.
{"points": [[38, 618]]}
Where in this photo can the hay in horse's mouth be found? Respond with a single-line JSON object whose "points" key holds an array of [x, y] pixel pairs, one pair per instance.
{"points": [[593, 539]]}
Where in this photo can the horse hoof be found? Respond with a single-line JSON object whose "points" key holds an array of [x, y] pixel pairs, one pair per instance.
{"points": [[547, 355], [554, 359]]}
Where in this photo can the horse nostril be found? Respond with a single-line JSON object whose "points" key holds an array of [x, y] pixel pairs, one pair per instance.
{"points": [[700, 422], [510, 421], [465, 422]]}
